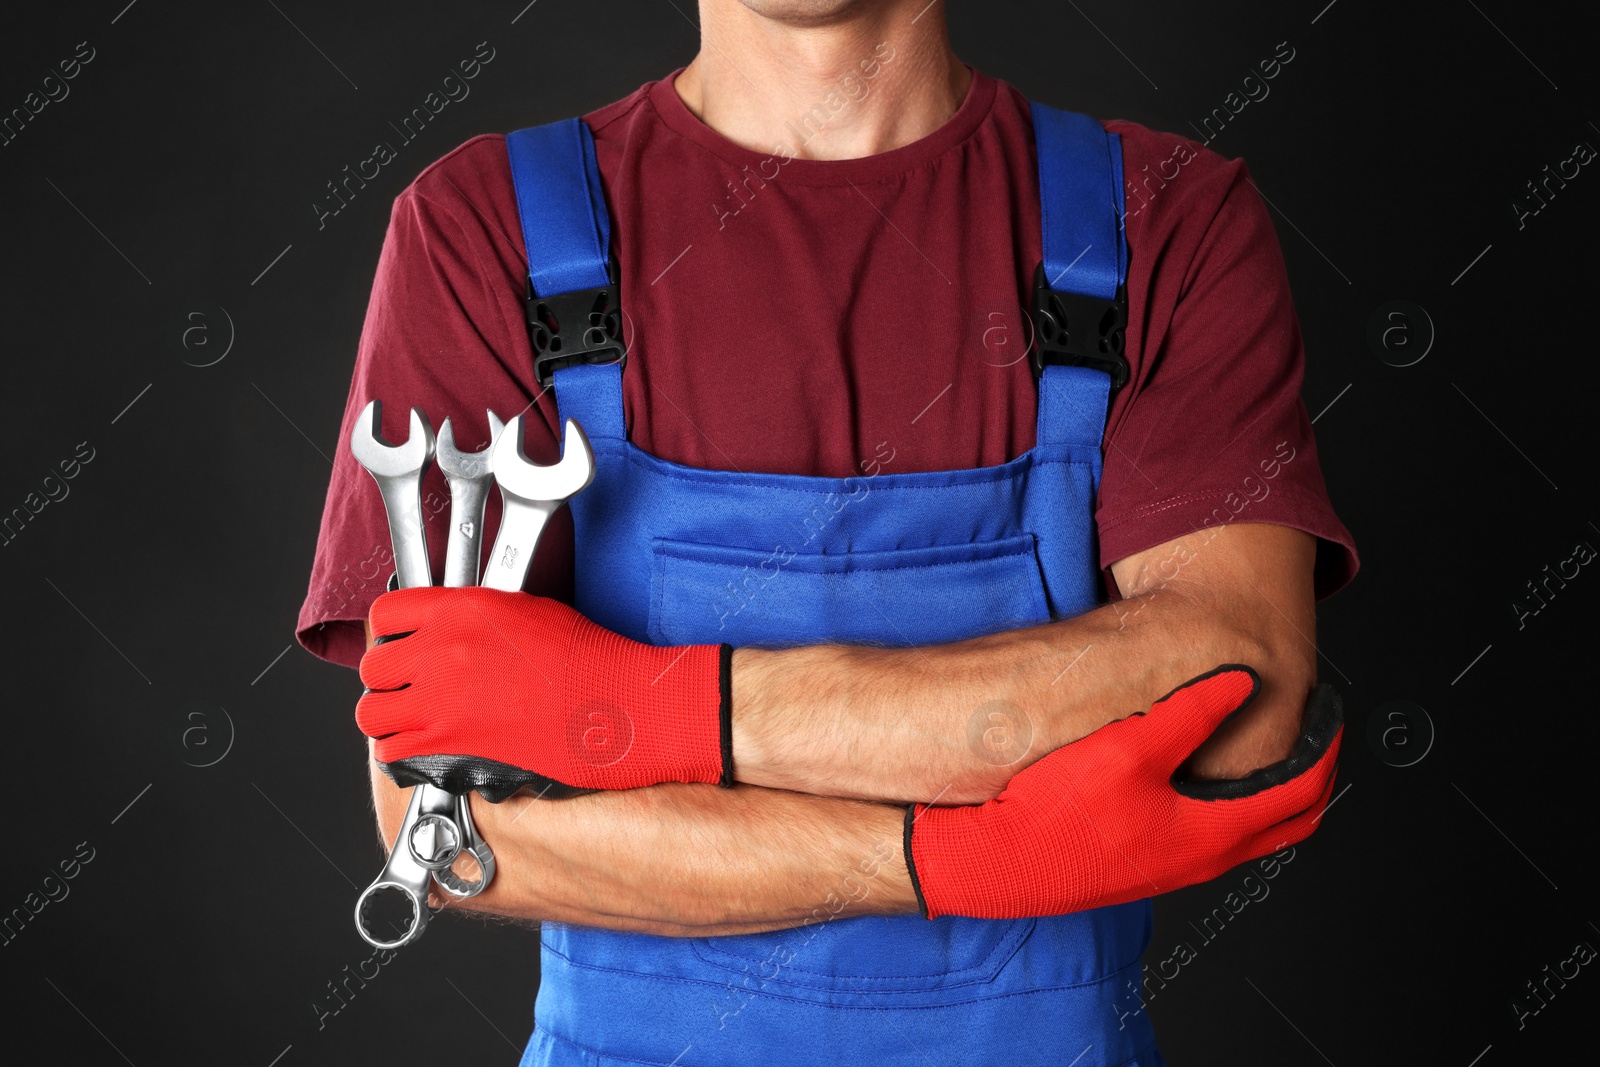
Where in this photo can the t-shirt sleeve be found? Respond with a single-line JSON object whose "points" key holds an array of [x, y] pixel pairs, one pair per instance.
{"points": [[443, 333], [1212, 428]]}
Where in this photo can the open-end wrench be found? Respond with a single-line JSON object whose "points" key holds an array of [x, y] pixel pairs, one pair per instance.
{"points": [[398, 470], [433, 831], [469, 475], [531, 494]]}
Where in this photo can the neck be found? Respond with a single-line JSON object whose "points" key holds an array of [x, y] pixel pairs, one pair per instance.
{"points": [[858, 79]]}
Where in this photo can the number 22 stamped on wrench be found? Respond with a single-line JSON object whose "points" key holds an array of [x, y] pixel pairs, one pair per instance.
{"points": [[437, 824]]}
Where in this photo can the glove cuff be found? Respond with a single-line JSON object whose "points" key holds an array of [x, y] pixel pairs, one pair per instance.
{"points": [[911, 863], [725, 712]]}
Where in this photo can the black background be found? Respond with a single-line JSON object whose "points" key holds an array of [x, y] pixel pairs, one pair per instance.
{"points": [[149, 611]]}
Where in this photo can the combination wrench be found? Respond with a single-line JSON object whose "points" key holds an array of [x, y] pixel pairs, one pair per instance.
{"points": [[531, 494], [468, 474]]}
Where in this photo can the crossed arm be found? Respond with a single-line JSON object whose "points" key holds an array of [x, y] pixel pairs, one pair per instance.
{"points": [[829, 743]]}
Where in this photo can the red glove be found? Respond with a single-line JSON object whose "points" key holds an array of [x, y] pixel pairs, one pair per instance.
{"points": [[480, 689], [1104, 820]]}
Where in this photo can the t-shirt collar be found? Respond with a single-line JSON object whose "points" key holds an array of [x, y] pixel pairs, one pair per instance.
{"points": [[974, 109]]}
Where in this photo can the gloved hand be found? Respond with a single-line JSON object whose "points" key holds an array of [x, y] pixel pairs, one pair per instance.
{"points": [[1103, 820], [480, 689]]}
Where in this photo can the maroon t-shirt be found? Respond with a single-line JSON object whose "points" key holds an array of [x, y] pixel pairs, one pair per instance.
{"points": [[801, 316]]}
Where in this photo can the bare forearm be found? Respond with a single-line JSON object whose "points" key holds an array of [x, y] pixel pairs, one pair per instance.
{"points": [[955, 722], [952, 722], [685, 860]]}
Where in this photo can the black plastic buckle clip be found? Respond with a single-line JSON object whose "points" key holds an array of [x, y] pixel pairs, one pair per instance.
{"points": [[583, 326], [1079, 331]]}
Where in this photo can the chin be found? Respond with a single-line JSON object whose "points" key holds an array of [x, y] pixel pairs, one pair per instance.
{"points": [[807, 12]]}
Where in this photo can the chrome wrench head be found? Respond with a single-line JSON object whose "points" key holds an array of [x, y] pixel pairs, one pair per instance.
{"points": [[521, 477], [382, 459], [457, 463], [451, 882], [398, 470], [531, 494], [469, 475], [406, 873]]}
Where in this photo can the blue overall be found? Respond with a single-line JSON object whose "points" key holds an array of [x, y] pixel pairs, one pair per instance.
{"points": [[672, 554]]}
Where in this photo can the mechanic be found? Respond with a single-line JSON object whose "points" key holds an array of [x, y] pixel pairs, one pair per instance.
{"points": [[905, 706]]}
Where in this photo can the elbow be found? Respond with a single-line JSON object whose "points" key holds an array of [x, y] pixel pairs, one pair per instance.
{"points": [[1285, 660], [1264, 731]]}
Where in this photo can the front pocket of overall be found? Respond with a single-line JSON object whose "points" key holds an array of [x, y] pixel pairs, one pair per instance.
{"points": [[898, 954], [774, 597], [921, 596]]}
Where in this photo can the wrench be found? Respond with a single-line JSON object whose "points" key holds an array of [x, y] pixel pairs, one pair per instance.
{"points": [[531, 494], [430, 815], [469, 475], [437, 824], [398, 470]]}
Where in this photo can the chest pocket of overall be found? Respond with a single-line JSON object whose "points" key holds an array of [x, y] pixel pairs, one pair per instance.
{"points": [[706, 593], [777, 597]]}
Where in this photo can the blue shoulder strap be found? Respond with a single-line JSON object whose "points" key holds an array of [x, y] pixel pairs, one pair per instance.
{"points": [[1085, 253], [1080, 202], [567, 232], [565, 226]]}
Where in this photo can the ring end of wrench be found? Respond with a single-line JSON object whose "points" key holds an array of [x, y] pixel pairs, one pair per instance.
{"points": [[419, 915]]}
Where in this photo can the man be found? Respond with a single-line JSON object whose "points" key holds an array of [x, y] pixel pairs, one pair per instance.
{"points": [[838, 559]]}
